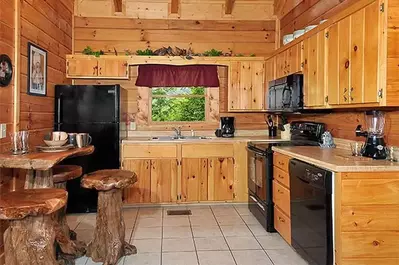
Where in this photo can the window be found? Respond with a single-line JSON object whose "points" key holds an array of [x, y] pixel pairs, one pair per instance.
{"points": [[173, 104]]}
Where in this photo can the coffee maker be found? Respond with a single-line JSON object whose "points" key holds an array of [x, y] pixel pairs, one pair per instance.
{"points": [[375, 146], [227, 125]]}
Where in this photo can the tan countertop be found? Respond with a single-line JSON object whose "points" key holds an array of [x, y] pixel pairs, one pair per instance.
{"points": [[138, 140], [337, 160]]}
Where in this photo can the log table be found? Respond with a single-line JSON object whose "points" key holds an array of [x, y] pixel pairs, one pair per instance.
{"points": [[39, 174], [108, 244]]}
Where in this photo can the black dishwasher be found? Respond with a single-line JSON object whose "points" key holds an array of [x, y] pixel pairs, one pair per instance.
{"points": [[311, 212]]}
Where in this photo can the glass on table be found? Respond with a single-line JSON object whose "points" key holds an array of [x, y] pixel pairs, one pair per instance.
{"points": [[357, 149], [19, 142]]}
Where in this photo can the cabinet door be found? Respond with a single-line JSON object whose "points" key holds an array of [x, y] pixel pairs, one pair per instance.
{"points": [[246, 91], [332, 75], [140, 192], [293, 59], [118, 69], [257, 85], [281, 65], [163, 175], [194, 179], [344, 60], [82, 67], [221, 179], [371, 48], [357, 57]]}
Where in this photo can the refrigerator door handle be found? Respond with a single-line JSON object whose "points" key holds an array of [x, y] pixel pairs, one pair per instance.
{"points": [[59, 109]]}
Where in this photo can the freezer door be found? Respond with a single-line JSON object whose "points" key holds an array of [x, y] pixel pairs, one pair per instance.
{"points": [[85, 104]]}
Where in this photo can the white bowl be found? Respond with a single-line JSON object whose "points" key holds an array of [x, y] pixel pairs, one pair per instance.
{"points": [[56, 143], [298, 33], [310, 27], [288, 38]]}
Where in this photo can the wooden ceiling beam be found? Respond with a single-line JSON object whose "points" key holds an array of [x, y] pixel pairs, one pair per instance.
{"points": [[228, 7], [118, 5], [174, 7]]}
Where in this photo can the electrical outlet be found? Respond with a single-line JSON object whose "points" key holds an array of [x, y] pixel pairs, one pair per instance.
{"points": [[132, 126], [3, 131]]}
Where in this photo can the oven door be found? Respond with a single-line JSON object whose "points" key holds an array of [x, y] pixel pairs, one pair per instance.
{"points": [[257, 172]]}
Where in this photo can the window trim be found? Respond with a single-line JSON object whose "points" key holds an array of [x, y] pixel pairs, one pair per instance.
{"points": [[151, 122]]}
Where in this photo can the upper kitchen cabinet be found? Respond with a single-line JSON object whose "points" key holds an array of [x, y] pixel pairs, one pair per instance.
{"points": [[313, 50], [93, 67], [289, 61], [351, 60], [246, 85]]}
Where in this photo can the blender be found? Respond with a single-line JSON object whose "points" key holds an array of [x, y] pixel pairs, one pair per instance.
{"points": [[375, 146]]}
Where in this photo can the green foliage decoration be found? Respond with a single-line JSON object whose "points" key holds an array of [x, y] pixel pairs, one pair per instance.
{"points": [[89, 51]]}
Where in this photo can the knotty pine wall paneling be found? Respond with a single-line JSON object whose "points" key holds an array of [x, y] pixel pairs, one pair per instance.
{"points": [[48, 24], [187, 9], [120, 34], [7, 26], [309, 12]]}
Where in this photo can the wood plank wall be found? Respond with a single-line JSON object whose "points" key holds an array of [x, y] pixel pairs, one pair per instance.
{"points": [[342, 124], [120, 34], [187, 9], [47, 24], [7, 26], [310, 12]]}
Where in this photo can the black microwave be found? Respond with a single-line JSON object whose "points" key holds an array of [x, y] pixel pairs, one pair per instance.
{"points": [[286, 94]]}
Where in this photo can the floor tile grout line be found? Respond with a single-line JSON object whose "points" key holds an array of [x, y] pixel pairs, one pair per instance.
{"points": [[264, 250], [195, 245], [224, 237]]}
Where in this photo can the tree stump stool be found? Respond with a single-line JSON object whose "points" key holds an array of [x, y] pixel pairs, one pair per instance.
{"points": [[108, 244], [70, 250], [30, 237]]}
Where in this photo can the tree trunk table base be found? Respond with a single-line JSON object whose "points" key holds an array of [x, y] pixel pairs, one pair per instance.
{"points": [[108, 244], [68, 248], [30, 241]]}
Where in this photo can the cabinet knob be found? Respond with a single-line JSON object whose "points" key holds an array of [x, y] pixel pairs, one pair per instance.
{"points": [[345, 98], [355, 48], [347, 63], [281, 219], [99, 71], [280, 176], [94, 70]]}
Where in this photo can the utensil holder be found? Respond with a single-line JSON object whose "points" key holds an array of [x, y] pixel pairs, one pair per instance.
{"points": [[286, 134]]}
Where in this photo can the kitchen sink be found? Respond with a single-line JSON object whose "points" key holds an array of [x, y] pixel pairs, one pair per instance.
{"points": [[175, 138]]}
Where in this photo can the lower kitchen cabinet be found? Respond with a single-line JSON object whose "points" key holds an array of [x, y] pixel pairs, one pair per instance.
{"points": [[155, 178], [207, 179]]}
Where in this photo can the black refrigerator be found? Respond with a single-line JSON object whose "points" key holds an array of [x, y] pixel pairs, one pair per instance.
{"points": [[97, 110]]}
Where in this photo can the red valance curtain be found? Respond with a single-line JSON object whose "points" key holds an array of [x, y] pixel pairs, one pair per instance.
{"points": [[178, 76]]}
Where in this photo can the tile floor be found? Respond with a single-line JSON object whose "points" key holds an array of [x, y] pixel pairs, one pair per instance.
{"points": [[212, 235]]}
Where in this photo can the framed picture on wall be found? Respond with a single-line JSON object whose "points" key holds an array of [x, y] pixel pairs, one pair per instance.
{"points": [[37, 70]]}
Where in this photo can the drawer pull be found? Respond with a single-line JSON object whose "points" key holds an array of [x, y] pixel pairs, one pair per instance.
{"points": [[280, 176], [281, 192], [281, 219]]}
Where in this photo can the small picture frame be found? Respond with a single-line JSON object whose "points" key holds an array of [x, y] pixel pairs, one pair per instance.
{"points": [[37, 70], [5, 70]]}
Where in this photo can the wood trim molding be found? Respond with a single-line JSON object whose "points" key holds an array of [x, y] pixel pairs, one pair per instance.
{"points": [[228, 7], [17, 65]]}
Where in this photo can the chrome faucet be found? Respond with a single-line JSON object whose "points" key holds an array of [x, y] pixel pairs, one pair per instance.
{"points": [[177, 131]]}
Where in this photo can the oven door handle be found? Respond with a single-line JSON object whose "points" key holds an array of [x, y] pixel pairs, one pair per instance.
{"points": [[255, 200], [304, 181], [255, 152]]}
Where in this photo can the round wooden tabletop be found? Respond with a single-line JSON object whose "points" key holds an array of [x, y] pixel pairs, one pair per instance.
{"points": [[32, 202], [63, 173], [108, 179]]}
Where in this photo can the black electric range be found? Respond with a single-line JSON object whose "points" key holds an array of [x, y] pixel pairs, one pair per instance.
{"points": [[260, 168]]}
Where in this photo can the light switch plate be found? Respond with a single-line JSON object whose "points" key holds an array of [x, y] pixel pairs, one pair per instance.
{"points": [[3, 130]]}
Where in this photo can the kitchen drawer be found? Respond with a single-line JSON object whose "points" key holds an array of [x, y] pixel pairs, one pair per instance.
{"points": [[149, 151], [281, 176], [281, 197], [281, 161], [207, 150], [282, 223]]}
